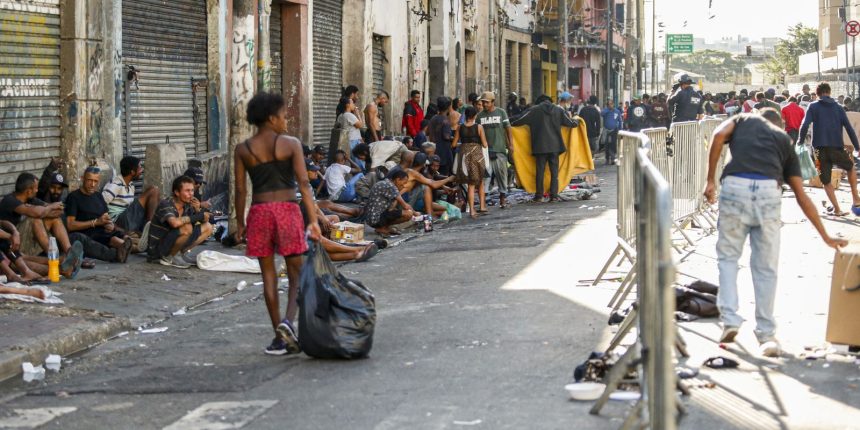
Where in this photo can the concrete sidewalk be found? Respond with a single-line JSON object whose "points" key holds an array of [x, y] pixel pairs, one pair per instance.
{"points": [[103, 302], [789, 392], [110, 299]]}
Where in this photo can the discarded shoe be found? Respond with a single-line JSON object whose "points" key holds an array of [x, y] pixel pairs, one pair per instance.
{"points": [[721, 363]]}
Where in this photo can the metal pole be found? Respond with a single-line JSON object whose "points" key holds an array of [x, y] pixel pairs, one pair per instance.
{"points": [[844, 20], [562, 44], [610, 17], [492, 45], [853, 66], [653, 46]]}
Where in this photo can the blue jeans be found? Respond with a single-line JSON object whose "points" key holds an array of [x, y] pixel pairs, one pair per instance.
{"points": [[749, 207], [347, 193]]}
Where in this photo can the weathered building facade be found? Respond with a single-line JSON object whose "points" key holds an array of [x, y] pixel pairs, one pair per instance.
{"points": [[87, 80]]}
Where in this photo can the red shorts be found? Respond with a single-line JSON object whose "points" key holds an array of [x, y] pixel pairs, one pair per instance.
{"points": [[276, 223]]}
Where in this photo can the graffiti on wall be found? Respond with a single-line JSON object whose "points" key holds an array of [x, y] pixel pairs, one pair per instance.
{"points": [[94, 71], [243, 54], [24, 87], [94, 129]]}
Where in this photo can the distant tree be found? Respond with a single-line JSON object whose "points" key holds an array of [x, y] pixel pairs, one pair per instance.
{"points": [[801, 40], [716, 66]]}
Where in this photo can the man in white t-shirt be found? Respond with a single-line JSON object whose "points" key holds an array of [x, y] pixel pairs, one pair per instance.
{"points": [[339, 189]]}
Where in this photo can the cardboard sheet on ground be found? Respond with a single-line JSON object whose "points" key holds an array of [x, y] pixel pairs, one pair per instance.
{"points": [[576, 160]]}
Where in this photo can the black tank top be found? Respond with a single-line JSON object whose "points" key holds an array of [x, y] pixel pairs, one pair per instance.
{"points": [[469, 134], [274, 175]]}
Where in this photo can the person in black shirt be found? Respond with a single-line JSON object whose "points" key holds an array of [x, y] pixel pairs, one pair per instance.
{"points": [[685, 104], [87, 214], [442, 135], [763, 157], [37, 221], [591, 115], [637, 116], [545, 121], [177, 227]]}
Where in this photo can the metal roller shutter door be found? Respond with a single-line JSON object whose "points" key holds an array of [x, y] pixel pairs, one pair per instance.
{"points": [[29, 87], [167, 43], [276, 50], [508, 58], [378, 65], [328, 66]]}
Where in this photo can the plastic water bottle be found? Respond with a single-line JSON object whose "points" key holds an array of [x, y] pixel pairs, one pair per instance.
{"points": [[53, 261]]}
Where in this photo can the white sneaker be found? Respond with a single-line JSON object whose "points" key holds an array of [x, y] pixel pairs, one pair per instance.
{"points": [[729, 334], [174, 261], [143, 243], [770, 349]]}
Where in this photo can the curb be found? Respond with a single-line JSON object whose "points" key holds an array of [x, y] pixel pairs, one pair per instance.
{"points": [[64, 343]]}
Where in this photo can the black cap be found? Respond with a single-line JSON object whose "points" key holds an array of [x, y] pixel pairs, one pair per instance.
{"points": [[319, 149], [57, 179], [435, 159], [196, 173]]}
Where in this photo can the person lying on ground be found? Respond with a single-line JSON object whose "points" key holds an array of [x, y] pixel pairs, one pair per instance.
{"points": [[343, 212], [10, 242], [36, 221], [419, 190], [382, 206], [126, 211], [340, 189], [32, 292], [88, 214], [338, 252], [177, 228]]}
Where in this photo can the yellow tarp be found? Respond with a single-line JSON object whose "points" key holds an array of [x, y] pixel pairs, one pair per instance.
{"points": [[576, 160]]}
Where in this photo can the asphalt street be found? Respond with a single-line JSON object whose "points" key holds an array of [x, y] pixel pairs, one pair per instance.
{"points": [[453, 348]]}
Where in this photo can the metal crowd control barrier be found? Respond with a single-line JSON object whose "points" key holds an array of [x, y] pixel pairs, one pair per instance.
{"points": [[689, 170], [651, 355], [626, 223]]}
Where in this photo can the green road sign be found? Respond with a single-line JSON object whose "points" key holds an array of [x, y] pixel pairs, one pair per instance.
{"points": [[679, 43]]}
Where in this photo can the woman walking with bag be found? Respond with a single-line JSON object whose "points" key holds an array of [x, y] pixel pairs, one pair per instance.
{"points": [[275, 163], [471, 163]]}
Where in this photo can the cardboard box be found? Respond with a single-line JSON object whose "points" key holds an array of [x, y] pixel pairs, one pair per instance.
{"points": [[835, 180], [347, 232], [843, 320]]}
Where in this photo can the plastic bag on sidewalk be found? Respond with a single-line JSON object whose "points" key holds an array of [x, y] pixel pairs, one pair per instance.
{"points": [[337, 315], [807, 166]]}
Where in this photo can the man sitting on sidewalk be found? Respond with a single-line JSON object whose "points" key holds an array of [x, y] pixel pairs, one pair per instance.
{"points": [[87, 213], [35, 220], [127, 212], [382, 211], [177, 227], [763, 158]]}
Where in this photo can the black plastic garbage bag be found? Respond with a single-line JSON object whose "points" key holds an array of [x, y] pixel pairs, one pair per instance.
{"points": [[336, 315]]}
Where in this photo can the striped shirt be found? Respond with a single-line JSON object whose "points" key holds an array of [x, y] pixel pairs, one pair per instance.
{"points": [[118, 196]]}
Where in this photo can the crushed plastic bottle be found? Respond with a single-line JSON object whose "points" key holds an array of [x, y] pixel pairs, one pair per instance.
{"points": [[241, 285], [32, 373]]}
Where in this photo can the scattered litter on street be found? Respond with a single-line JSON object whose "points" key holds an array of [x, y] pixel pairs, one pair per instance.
{"points": [[32, 373], [625, 396], [182, 311], [53, 362], [721, 363], [468, 423], [164, 277], [153, 330], [241, 285]]}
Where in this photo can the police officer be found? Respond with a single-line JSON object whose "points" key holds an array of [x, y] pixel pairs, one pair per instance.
{"points": [[636, 116], [685, 104]]}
